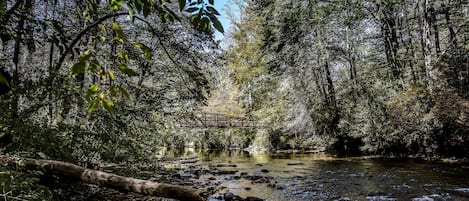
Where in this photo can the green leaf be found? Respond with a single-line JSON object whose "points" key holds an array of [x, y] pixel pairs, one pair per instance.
{"points": [[92, 105], [4, 80], [211, 1], [116, 4], [111, 75], [213, 10], [182, 4], [124, 68], [216, 23], [123, 55], [108, 105], [113, 90], [86, 55], [94, 66], [118, 30], [204, 24], [146, 50], [94, 88], [131, 13], [146, 10], [192, 9], [174, 15], [119, 40], [124, 92], [78, 68]]}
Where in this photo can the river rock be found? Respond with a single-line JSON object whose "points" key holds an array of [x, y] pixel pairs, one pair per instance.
{"points": [[253, 199], [232, 197], [295, 163], [222, 172], [226, 165]]}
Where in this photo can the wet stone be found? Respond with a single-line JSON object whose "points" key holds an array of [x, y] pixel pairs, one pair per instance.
{"points": [[253, 199], [226, 172], [226, 165], [231, 197], [296, 163]]}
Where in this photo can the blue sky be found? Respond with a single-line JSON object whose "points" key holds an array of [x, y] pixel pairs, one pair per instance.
{"points": [[221, 6]]}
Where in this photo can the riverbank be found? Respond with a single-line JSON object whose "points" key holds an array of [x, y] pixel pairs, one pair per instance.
{"points": [[285, 175]]}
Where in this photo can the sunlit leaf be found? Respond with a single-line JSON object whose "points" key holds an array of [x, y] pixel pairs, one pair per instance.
{"points": [[108, 105], [116, 4], [131, 13], [94, 66], [103, 28], [146, 50], [123, 55], [119, 40], [92, 90], [78, 68], [100, 38], [111, 75], [124, 68], [118, 30], [124, 92], [86, 55], [101, 96], [93, 105]]}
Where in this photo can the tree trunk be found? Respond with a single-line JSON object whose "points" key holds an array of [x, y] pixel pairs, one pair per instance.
{"points": [[433, 22], [452, 34], [104, 179], [427, 45]]}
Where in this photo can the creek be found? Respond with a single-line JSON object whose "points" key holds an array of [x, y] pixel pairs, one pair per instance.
{"points": [[294, 176]]}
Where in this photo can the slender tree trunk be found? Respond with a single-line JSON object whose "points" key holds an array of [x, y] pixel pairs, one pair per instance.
{"points": [[391, 44], [412, 59], [452, 34], [14, 107], [330, 85], [434, 24], [427, 45]]}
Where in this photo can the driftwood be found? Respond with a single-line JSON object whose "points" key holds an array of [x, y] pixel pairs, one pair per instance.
{"points": [[104, 179]]}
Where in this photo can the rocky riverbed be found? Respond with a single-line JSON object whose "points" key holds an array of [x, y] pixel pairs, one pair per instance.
{"points": [[222, 176]]}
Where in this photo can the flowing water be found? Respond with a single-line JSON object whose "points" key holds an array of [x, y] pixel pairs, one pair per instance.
{"points": [[283, 177]]}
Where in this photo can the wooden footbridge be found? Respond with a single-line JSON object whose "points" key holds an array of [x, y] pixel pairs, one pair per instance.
{"points": [[217, 120]]}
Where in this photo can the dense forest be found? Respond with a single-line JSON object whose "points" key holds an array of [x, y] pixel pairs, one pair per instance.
{"points": [[356, 76], [93, 82]]}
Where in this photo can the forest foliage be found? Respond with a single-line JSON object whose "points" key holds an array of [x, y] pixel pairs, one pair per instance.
{"points": [[356, 76], [92, 81]]}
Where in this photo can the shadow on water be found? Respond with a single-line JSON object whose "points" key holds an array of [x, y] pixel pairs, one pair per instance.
{"points": [[290, 176]]}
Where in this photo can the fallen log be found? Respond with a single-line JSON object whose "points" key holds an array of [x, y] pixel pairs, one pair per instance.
{"points": [[103, 179]]}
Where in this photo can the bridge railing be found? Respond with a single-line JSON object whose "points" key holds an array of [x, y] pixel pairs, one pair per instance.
{"points": [[218, 120]]}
